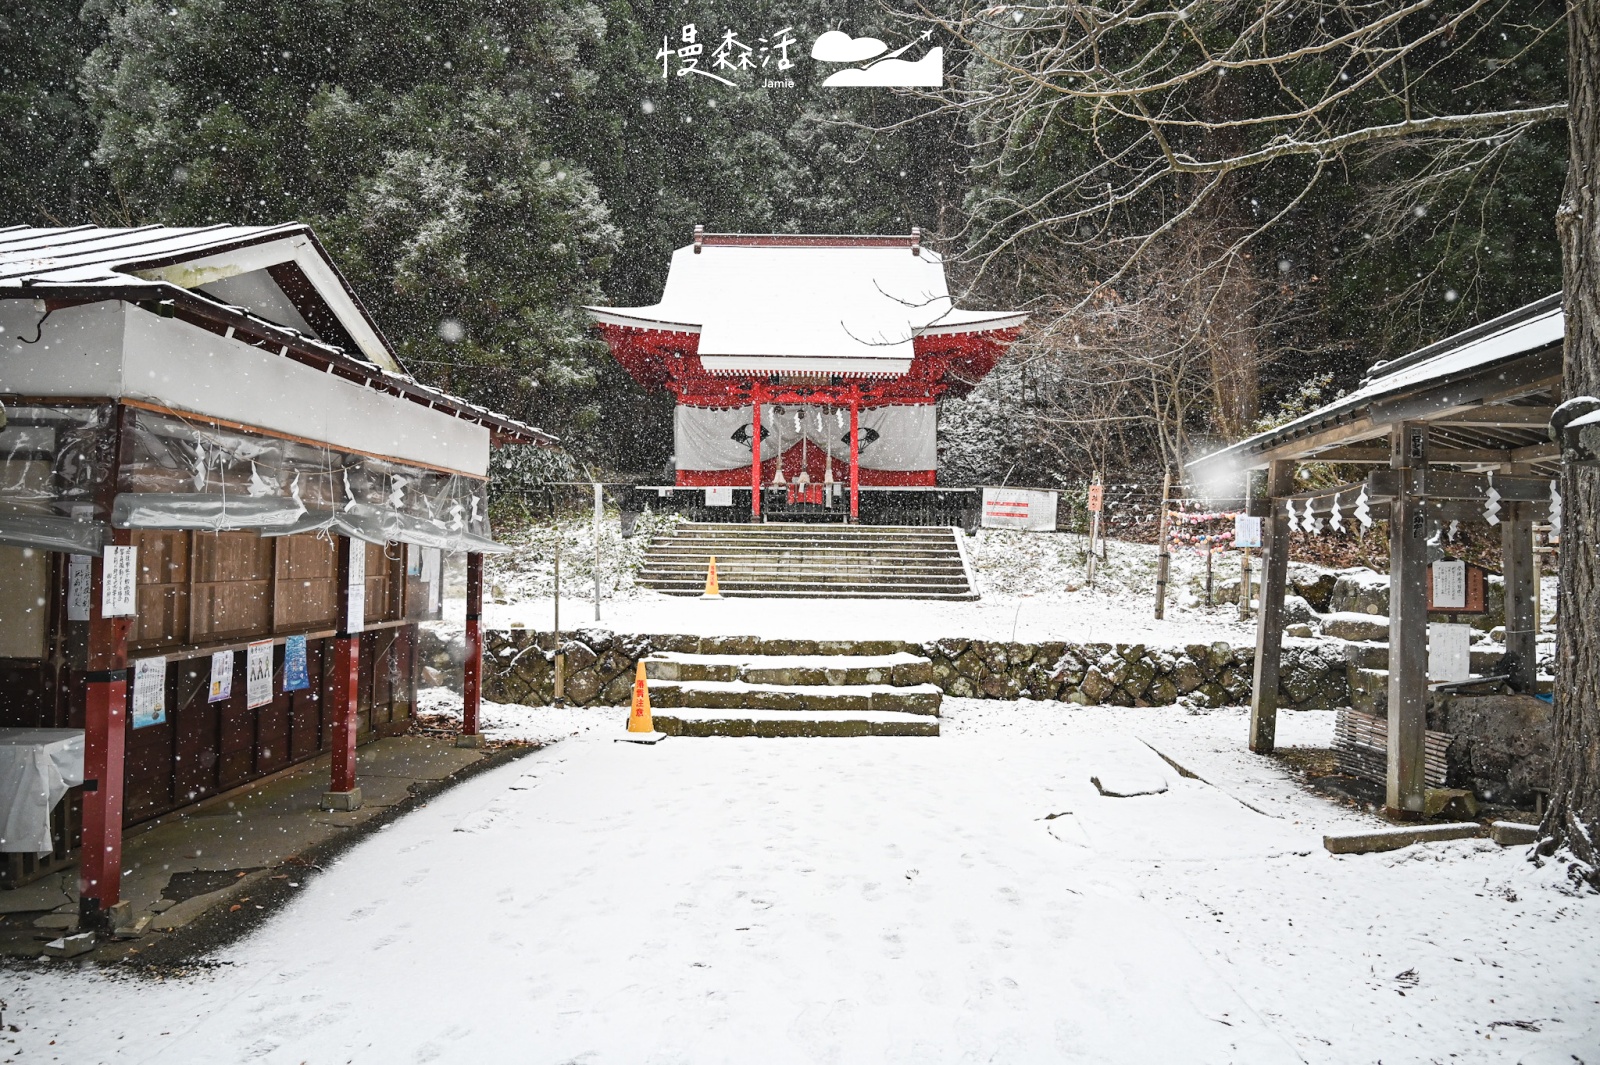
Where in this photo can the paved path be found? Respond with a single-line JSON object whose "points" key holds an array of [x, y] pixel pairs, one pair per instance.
{"points": [[867, 900]]}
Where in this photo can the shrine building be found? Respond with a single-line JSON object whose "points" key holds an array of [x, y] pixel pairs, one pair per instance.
{"points": [[223, 508], [806, 369]]}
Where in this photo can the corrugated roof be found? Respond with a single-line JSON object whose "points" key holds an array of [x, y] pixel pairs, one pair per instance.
{"points": [[95, 262], [1501, 341]]}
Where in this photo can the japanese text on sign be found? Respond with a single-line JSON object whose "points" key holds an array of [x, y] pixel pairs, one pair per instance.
{"points": [[79, 587], [356, 589], [1449, 584], [119, 592]]}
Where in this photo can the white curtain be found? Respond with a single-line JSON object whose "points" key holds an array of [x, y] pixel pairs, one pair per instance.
{"points": [[900, 438]]}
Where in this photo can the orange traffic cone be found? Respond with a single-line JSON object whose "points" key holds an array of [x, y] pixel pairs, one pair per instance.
{"points": [[712, 591], [641, 726]]}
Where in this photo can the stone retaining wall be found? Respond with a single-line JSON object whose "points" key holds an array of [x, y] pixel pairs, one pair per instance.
{"points": [[519, 668]]}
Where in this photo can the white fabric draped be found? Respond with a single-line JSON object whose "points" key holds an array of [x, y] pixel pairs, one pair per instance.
{"points": [[900, 438]]}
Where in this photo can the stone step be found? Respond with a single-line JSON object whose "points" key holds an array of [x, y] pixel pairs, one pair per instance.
{"points": [[1370, 655], [794, 528], [781, 723], [801, 561], [810, 575], [898, 553], [1350, 626], [899, 670], [841, 698], [816, 591]]}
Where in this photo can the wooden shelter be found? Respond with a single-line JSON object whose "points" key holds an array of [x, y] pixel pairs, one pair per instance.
{"points": [[805, 365], [223, 505], [1456, 431]]}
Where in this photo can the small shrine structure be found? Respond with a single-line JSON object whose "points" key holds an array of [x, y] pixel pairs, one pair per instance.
{"points": [[1457, 431], [806, 365]]}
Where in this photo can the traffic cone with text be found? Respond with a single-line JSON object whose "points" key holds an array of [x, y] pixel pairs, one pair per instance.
{"points": [[641, 725], [712, 591]]}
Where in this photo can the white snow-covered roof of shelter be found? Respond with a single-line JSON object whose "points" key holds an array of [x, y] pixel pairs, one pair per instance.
{"points": [[189, 257], [1528, 329], [162, 262], [775, 303]]}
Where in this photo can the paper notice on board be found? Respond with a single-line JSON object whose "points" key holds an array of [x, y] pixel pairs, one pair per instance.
{"points": [[119, 590], [221, 677], [149, 691], [719, 496], [1449, 584], [430, 565], [1246, 531], [1449, 652], [357, 591], [258, 674], [79, 586]]}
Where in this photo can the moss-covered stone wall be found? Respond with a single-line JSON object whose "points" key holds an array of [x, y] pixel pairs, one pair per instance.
{"points": [[519, 668]]}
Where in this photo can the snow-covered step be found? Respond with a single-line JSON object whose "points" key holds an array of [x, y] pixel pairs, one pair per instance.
{"points": [[900, 669], [809, 561], [830, 698], [783, 723]]}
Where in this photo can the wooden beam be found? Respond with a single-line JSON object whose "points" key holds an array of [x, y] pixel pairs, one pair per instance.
{"points": [[1498, 415], [1549, 451], [1449, 484], [1344, 433], [1408, 624], [1269, 620]]}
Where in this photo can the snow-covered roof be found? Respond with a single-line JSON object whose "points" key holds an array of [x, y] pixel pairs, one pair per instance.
{"points": [[232, 275], [772, 303], [1435, 368]]}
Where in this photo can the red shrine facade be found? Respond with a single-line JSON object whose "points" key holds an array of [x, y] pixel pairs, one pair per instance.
{"points": [[807, 364]]}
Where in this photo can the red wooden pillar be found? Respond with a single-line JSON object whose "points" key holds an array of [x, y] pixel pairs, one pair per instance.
{"points": [[342, 793], [755, 453], [855, 454], [105, 726], [472, 668]]}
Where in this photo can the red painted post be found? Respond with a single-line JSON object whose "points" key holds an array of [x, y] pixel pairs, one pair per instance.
{"points": [[472, 668], [855, 455], [342, 792], [755, 453], [105, 724]]}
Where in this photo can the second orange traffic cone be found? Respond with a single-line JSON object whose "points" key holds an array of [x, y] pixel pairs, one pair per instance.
{"points": [[641, 725], [639, 719], [712, 591]]}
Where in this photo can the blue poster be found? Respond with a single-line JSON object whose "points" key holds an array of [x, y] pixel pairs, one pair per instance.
{"points": [[294, 664]]}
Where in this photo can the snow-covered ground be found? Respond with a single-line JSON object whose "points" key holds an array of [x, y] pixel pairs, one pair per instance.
{"points": [[965, 898], [1033, 588]]}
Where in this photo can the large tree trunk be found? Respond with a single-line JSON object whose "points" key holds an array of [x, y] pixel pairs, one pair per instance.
{"points": [[1573, 819]]}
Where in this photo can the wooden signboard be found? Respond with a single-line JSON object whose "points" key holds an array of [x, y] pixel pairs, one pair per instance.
{"points": [[1097, 498], [1455, 588]]}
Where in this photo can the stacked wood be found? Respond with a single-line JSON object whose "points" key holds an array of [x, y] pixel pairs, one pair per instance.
{"points": [[1361, 742]]}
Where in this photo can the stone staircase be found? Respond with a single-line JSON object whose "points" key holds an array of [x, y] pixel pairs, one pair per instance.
{"points": [[797, 560], [793, 695]]}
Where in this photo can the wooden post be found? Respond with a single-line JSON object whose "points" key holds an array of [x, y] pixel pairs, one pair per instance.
{"points": [[1269, 618], [1094, 525], [855, 454], [342, 793], [1244, 583], [1521, 577], [560, 698], [472, 668], [1408, 623], [599, 519], [755, 453], [105, 724], [1164, 557]]}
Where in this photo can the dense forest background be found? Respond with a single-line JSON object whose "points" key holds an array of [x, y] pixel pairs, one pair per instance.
{"points": [[480, 169]]}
